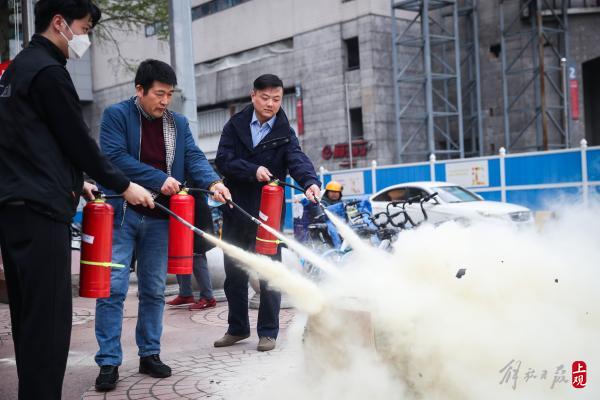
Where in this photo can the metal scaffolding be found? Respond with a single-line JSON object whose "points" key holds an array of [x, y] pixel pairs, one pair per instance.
{"points": [[533, 43], [428, 58], [471, 78]]}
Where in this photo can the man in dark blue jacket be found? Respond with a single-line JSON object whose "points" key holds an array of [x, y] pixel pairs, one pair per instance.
{"points": [[257, 145], [154, 147]]}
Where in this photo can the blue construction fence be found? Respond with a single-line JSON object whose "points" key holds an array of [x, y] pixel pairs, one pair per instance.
{"points": [[537, 180]]}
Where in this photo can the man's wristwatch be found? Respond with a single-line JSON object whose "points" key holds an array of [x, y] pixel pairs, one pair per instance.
{"points": [[213, 184]]}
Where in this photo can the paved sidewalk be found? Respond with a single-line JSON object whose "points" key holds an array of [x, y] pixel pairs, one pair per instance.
{"points": [[199, 369]]}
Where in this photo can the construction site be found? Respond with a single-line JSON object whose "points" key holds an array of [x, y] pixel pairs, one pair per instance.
{"points": [[474, 76]]}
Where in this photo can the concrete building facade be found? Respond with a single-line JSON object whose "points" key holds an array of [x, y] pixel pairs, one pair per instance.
{"points": [[583, 33], [338, 55]]}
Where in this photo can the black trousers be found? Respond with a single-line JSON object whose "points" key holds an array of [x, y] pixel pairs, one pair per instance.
{"points": [[236, 288], [36, 253]]}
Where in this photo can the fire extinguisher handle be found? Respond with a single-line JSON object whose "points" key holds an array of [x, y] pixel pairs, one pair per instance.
{"points": [[298, 188], [282, 183], [100, 195], [201, 190]]}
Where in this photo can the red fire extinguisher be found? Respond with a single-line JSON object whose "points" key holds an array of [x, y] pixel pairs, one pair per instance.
{"points": [[271, 201], [181, 238], [96, 249]]}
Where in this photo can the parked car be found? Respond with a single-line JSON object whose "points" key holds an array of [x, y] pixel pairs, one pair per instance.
{"points": [[453, 202]]}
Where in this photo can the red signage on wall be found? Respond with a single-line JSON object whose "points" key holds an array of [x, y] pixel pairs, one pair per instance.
{"points": [[574, 87], [573, 91], [360, 148], [3, 67], [299, 116], [299, 110]]}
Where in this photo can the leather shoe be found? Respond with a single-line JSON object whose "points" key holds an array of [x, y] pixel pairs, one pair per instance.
{"points": [[107, 379], [203, 304], [229, 340], [266, 343], [181, 301], [151, 365]]}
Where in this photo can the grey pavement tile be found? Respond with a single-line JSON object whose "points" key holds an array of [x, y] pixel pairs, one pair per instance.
{"points": [[199, 369]]}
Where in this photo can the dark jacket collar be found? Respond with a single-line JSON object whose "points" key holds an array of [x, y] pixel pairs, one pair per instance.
{"points": [[241, 122], [38, 40]]}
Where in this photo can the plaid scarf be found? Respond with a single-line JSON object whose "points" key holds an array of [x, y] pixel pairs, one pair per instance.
{"points": [[169, 133]]}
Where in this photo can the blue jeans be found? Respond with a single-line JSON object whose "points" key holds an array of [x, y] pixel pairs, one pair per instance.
{"points": [[149, 238], [202, 277]]}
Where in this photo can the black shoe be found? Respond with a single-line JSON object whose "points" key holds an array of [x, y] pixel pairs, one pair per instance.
{"points": [[151, 365], [107, 379]]}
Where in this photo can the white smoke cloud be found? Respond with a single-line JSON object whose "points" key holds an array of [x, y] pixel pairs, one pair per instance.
{"points": [[530, 297]]}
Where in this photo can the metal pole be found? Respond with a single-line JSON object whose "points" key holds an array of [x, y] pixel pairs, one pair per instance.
{"points": [[373, 176], [540, 33], [565, 17], [432, 167], [349, 126], [470, 64], [446, 108], [16, 24], [563, 67], [461, 133], [428, 79], [502, 174], [398, 129], [475, 16], [536, 83], [504, 79], [322, 176], [182, 58], [28, 21], [584, 171]]}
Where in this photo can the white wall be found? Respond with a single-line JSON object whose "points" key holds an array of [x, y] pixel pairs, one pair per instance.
{"points": [[134, 46], [239, 28], [259, 22]]}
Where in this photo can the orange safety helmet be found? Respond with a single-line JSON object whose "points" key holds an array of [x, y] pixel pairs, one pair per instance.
{"points": [[334, 186]]}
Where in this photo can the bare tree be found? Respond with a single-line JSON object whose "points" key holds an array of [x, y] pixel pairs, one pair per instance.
{"points": [[130, 16]]}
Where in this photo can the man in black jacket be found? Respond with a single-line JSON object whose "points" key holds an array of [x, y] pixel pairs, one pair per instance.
{"points": [[44, 147], [257, 145]]}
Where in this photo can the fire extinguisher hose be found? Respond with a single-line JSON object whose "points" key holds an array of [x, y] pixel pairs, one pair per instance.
{"points": [[247, 214], [198, 231], [179, 219], [244, 212], [184, 222], [298, 188]]}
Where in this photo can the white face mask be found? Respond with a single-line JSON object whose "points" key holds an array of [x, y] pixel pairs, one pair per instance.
{"points": [[78, 45]]}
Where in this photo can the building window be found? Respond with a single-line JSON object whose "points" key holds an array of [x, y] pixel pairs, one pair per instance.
{"points": [[150, 30], [153, 29], [352, 53], [214, 6], [356, 123]]}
